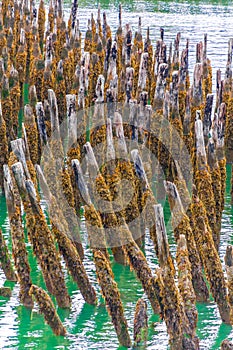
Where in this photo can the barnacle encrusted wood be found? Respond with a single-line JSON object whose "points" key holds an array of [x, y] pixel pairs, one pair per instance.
{"points": [[140, 323], [210, 258], [181, 225], [226, 345], [185, 285], [5, 260], [111, 294], [179, 327], [48, 310], [94, 224], [121, 95], [103, 199], [66, 247], [20, 253], [50, 255]]}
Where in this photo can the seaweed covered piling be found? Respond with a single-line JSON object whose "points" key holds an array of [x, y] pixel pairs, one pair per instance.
{"points": [[185, 285], [48, 310], [94, 224], [146, 198], [226, 94], [32, 134], [15, 98], [210, 258], [218, 134], [203, 181], [18, 172], [139, 263], [140, 323], [91, 127], [215, 173], [181, 225], [5, 260], [42, 237], [19, 247], [68, 208], [66, 247], [112, 297], [207, 122], [229, 270], [180, 329], [226, 345], [50, 255], [3, 147], [103, 199], [7, 108]]}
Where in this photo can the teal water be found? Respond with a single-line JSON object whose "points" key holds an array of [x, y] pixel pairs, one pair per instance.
{"points": [[90, 327]]}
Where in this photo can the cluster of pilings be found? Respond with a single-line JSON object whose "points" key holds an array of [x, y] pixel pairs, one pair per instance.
{"points": [[110, 123]]}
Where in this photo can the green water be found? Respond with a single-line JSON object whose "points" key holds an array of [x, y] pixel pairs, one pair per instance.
{"points": [[90, 327]]}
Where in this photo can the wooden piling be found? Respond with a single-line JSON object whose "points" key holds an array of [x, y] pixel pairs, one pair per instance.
{"points": [[140, 323], [111, 294], [5, 260], [229, 269], [19, 248], [178, 327], [185, 285], [48, 310], [203, 180], [66, 247], [210, 258], [50, 256], [226, 345], [3, 147], [181, 225], [94, 224], [103, 198]]}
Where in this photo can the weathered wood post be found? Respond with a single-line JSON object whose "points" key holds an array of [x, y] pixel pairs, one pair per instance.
{"points": [[185, 286], [181, 335], [94, 224], [111, 295], [5, 260], [48, 310], [102, 197], [181, 225], [210, 258], [65, 244], [140, 323], [3, 147], [19, 247], [226, 345], [41, 237], [203, 179]]}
